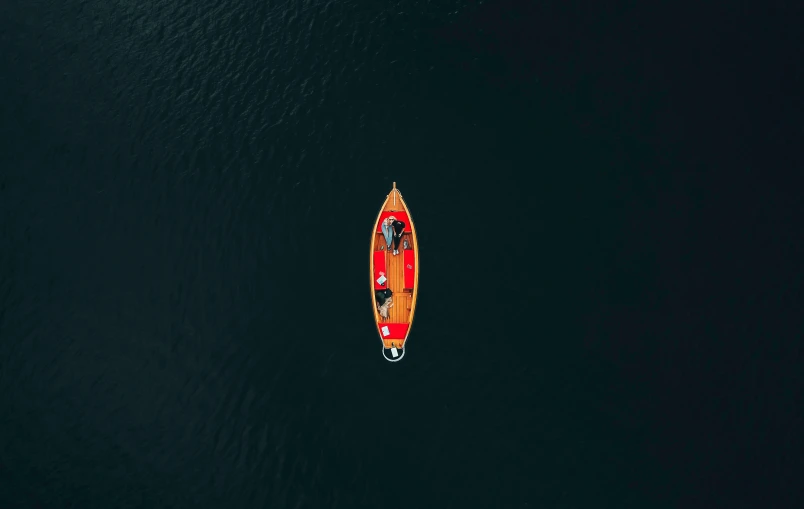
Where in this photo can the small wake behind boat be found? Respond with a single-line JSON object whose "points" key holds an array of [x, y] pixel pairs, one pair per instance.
{"points": [[394, 269]]}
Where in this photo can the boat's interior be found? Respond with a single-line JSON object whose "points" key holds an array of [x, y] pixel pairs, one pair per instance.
{"points": [[399, 269], [395, 272]]}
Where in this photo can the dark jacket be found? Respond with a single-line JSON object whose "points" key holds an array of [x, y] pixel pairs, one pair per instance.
{"points": [[399, 227], [383, 295]]}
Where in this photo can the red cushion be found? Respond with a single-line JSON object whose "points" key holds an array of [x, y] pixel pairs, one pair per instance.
{"points": [[400, 216], [410, 267], [396, 330], [379, 269]]}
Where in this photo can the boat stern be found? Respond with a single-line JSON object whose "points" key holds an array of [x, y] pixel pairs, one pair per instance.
{"points": [[394, 353]]}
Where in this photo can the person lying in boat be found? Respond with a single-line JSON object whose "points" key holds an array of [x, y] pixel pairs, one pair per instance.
{"points": [[383, 295], [387, 230], [384, 301], [386, 306], [399, 228]]}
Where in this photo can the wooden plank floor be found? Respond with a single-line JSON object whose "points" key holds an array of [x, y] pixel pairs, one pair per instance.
{"points": [[396, 280]]}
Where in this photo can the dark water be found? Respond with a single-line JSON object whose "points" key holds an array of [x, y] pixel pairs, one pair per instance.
{"points": [[187, 189]]}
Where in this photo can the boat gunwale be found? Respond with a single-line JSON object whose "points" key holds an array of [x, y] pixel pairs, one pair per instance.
{"points": [[414, 295]]}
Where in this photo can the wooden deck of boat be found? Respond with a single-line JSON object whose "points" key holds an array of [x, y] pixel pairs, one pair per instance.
{"points": [[394, 266], [404, 299]]}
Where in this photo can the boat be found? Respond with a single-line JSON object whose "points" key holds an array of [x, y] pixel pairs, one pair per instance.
{"points": [[398, 273]]}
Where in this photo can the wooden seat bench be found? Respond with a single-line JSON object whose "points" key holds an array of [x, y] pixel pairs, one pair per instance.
{"points": [[379, 269], [409, 268]]}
